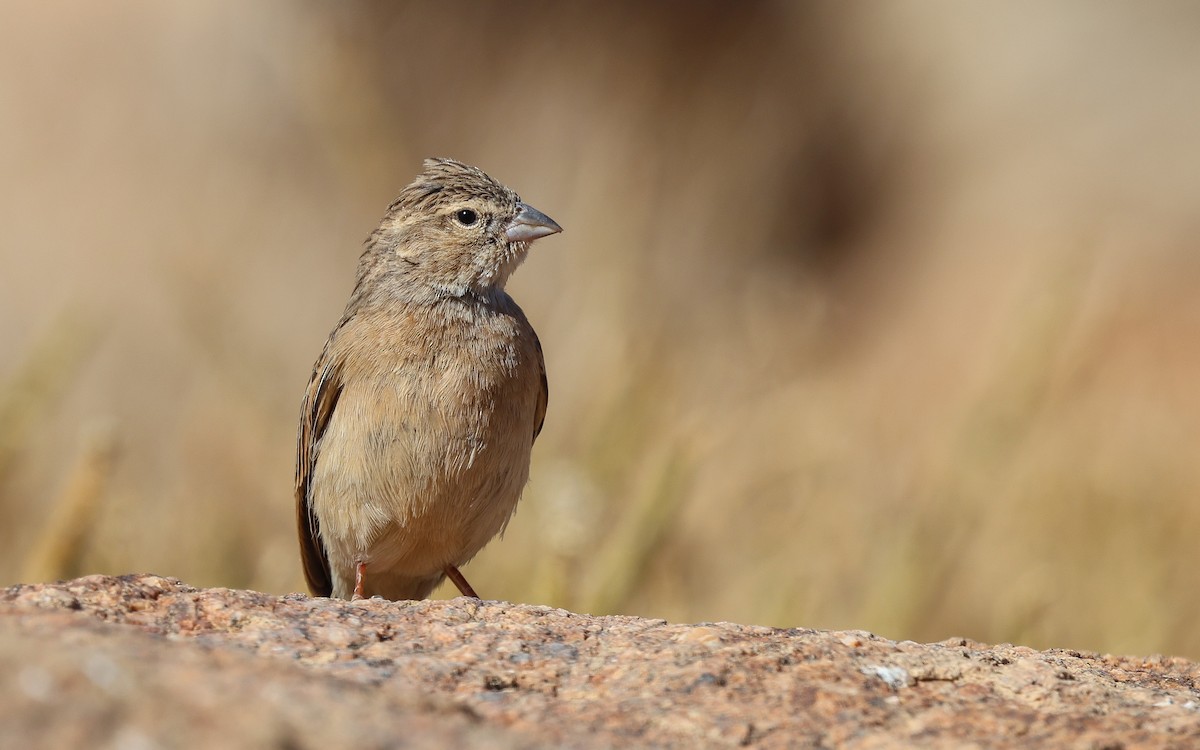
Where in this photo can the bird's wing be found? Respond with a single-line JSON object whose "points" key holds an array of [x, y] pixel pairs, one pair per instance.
{"points": [[319, 402], [544, 393]]}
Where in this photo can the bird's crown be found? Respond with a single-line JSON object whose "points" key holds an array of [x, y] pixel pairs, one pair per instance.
{"points": [[445, 181]]}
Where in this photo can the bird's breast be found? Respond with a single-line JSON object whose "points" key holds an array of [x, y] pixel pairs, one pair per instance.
{"points": [[427, 453]]}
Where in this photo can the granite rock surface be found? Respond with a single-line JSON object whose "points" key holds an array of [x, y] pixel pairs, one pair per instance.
{"points": [[147, 662]]}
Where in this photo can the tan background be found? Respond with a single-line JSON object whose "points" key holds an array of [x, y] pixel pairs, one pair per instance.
{"points": [[883, 320]]}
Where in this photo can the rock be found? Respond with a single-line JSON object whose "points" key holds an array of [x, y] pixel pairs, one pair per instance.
{"points": [[148, 662]]}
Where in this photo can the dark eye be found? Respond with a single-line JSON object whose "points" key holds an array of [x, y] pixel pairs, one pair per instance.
{"points": [[466, 217]]}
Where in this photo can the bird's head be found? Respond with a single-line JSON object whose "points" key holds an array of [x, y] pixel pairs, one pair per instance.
{"points": [[456, 231]]}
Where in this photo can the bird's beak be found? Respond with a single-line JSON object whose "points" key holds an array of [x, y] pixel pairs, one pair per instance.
{"points": [[529, 224]]}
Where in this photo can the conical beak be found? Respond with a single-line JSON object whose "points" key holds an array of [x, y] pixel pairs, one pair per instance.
{"points": [[529, 224]]}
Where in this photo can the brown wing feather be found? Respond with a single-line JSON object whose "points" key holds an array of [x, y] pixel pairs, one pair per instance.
{"points": [[319, 401], [544, 395]]}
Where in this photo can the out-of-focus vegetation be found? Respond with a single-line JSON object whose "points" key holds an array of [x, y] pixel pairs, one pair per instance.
{"points": [[880, 320]]}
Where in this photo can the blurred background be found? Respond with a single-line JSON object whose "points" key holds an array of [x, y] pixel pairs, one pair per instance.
{"points": [[882, 319]]}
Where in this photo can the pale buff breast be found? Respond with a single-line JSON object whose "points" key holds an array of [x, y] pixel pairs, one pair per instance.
{"points": [[426, 455]]}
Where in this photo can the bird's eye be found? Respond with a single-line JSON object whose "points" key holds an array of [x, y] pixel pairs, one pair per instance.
{"points": [[466, 217]]}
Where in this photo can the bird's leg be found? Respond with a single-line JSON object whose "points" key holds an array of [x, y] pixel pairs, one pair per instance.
{"points": [[360, 580], [460, 581]]}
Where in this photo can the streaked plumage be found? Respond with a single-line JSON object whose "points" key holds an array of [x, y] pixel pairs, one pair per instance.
{"points": [[417, 425]]}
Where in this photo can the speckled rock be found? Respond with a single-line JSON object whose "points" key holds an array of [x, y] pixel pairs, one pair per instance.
{"points": [[145, 662]]}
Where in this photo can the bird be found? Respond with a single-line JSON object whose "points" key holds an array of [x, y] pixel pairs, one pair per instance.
{"points": [[420, 416]]}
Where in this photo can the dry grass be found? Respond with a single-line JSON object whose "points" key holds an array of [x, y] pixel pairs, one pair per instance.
{"points": [[883, 322]]}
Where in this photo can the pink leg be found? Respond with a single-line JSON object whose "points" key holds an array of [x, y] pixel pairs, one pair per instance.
{"points": [[460, 581], [360, 579]]}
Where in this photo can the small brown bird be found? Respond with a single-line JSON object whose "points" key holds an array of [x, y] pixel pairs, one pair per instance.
{"points": [[419, 419]]}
